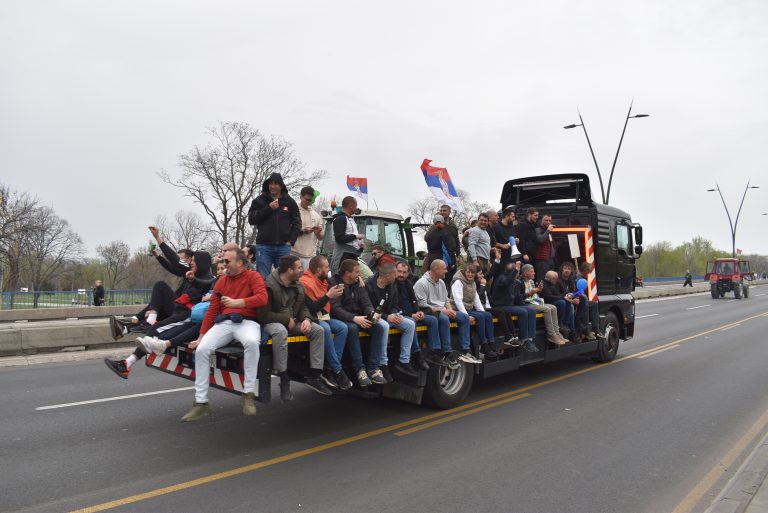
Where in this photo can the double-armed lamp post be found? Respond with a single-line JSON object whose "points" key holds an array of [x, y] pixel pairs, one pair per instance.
{"points": [[606, 194], [734, 225]]}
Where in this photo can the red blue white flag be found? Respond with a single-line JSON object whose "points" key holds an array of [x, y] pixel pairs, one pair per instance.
{"points": [[358, 186], [440, 185]]}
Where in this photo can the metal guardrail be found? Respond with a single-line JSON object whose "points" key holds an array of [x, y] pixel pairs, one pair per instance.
{"points": [[69, 298]]}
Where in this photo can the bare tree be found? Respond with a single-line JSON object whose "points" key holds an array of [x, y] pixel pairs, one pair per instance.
{"points": [[228, 173], [187, 230], [116, 256], [423, 210], [16, 219], [49, 243]]}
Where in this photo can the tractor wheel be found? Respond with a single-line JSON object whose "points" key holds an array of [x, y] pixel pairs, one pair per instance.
{"points": [[714, 291], [737, 290]]}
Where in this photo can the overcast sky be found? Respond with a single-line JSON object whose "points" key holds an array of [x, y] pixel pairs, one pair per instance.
{"points": [[96, 97]]}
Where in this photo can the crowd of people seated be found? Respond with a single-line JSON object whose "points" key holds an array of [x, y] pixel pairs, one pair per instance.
{"points": [[280, 287]]}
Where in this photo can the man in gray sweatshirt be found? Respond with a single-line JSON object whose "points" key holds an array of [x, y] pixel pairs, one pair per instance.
{"points": [[479, 245], [432, 298]]}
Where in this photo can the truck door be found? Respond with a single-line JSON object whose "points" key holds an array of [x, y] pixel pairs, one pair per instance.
{"points": [[625, 261], [605, 261]]}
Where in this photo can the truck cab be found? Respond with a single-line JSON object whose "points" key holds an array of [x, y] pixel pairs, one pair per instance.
{"points": [[616, 241]]}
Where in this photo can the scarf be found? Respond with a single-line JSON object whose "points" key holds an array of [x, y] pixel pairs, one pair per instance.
{"points": [[315, 288]]}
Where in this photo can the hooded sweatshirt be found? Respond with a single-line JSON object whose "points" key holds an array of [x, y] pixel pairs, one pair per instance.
{"points": [[190, 292], [279, 226]]}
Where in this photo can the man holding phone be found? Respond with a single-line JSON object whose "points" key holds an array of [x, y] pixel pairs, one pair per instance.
{"points": [[312, 231]]}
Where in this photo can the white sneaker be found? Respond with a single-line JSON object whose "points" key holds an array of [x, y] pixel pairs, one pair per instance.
{"points": [[469, 358], [152, 344]]}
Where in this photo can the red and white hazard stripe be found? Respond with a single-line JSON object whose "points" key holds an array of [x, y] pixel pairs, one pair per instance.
{"points": [[590, 257], [221, 378]]}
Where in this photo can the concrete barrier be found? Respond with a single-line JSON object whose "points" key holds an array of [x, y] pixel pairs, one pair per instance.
{"points": [[28, 338], [67, 312]]}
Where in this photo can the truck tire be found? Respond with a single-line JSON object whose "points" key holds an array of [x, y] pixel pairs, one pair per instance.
{"points": [[737, 290], [448, 388], [609, 346], [714, 291]]}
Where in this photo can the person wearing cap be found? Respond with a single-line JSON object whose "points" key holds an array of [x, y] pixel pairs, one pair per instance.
{"points": [[438, 239], [276, 215]]}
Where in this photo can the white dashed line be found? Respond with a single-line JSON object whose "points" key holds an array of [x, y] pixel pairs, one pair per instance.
{"points": [[643, 316], [695, 307], [107, 399]]}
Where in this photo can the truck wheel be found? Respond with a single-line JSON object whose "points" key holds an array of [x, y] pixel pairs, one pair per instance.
{"points": [[448, 388], [609, 346], [714, 291], [737, 290]]}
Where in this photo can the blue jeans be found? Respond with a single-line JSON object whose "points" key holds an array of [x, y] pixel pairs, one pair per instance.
{"points": [[433, 333], [462, 322], [268, 255], [484, 325], [377, 353], [408, 339], [526, 320], [334, 347], [444, 330], [565, 314]]}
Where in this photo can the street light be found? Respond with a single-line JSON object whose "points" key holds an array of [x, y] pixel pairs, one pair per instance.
{"points": [[736, 224], [607, 194]]}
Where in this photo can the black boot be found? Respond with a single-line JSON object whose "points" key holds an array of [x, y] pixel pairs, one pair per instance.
{"points": [[285, 387], [489, 353], [418, 362]]}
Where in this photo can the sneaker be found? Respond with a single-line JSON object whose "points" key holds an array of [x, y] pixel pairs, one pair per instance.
{"points": [[469, 358], [318, 386], [343, 380], [451, 361], [362, 378], [118, 367], [151, 345], [329, 377], [387, 375], [555, 339], [488, 352], [198, 411], [285, 388], [590, 336], [405, 368], [512, 341], [376, 377], [248, 404], [435, 358], [598, 334], [530, 346], [418, 362]]}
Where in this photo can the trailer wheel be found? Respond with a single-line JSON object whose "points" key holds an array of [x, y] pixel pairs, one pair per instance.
{"points": [[737, 290], [714, 291], [448, 388], [609, 346]]}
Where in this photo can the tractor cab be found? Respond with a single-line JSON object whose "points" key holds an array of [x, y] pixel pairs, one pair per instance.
{"points": [[728, 275]]}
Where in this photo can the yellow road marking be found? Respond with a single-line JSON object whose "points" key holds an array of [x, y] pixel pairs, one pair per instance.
{"points": [[460, 415], [657, 352], [709, 480], [387, 429]]}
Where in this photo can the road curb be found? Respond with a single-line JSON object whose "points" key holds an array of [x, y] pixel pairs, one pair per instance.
{"points": [[747, 485]]}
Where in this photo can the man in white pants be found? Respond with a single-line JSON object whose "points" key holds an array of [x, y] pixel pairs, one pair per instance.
{"points": [[231, 316]]}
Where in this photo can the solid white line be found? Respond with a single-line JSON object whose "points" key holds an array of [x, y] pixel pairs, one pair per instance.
{"points": [[758, 295], [118, 398], [695, 307], [643, 316], [657, 352]]}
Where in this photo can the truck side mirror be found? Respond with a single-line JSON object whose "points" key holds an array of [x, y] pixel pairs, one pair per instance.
{"points": [[638, 235], [638, 250]]}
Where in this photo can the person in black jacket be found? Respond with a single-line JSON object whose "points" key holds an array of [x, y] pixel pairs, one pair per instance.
{"points": [[439, 241], [166, 307], [554, 293], [276, 215], [383, 291], [506, 295], [98, 294], [526, 233], [354, 307], [409, 307]]}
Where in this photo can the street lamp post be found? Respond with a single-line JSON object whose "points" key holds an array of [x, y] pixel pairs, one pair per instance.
{"points": [[606, 194], [734, 225]]}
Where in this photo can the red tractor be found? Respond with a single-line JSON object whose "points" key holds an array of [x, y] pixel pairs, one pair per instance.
{"points": [[728, 275]]}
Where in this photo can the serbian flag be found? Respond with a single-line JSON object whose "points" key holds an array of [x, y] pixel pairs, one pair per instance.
{"points": [[358, 186], [440, 185]]}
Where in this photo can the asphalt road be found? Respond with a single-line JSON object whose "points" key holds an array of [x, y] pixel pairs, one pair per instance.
{"points": [[654, 431]]}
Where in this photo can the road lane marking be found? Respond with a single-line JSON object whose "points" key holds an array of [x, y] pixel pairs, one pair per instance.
{"points": [[729, 327], [723, 465], [695, 307], [657, 352], [387, 429], [118, 398], [460, 415], [643, 316], [758, 295]]}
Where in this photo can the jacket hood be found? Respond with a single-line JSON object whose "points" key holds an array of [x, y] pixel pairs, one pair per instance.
{"points": [[274, 177], [203, 263]]}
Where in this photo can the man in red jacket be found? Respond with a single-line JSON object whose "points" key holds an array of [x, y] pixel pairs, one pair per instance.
{"points": [[232, 315]]}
